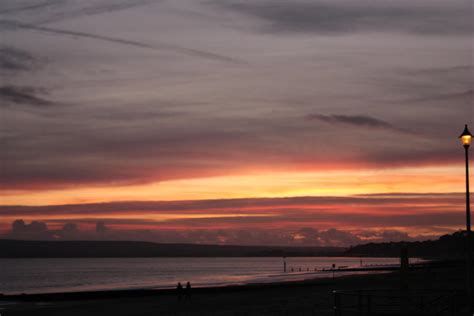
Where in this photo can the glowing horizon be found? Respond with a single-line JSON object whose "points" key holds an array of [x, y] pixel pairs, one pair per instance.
{"points": [[263, 185]]}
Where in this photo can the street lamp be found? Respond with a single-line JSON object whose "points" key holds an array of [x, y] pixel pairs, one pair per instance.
{"points": [[466, 138]]}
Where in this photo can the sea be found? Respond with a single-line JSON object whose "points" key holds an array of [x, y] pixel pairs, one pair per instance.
{"points": [[53, 275]]}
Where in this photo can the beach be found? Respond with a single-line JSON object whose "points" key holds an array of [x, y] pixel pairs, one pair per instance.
{"points": [[309, 297], [53, 275]]}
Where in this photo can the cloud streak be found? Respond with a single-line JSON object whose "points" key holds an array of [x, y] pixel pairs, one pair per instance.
{"points": [[356, 120], [181, 50], [57, 11], [28, 7], [16, 60], [221, 205], [340, 17], [23, 96]]}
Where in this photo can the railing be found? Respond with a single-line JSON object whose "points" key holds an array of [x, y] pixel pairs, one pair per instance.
{"points": [[395, 302]]}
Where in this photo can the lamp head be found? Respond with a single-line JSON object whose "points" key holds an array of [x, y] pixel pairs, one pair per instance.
{"points": [[466, 137]]}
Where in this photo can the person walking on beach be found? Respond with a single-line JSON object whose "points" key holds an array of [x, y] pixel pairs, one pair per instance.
{"points": [[179, 291], [188, 291]]}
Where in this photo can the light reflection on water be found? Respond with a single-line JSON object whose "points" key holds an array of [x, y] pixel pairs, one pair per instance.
{"points": [[85, 274]]}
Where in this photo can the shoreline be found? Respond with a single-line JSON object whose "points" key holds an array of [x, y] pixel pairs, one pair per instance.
{"points": [[306, 277], [307, 297]]}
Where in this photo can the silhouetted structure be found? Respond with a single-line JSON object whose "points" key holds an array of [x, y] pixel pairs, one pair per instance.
{"points": [[404, 269], [188, 290], [179, 291], [450, 246], [466, 138]]}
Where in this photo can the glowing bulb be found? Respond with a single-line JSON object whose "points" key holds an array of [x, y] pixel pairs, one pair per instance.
{"points": [[466, 140], [466, 137]]}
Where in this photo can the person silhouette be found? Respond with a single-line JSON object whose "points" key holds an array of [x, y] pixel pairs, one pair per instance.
{"points": [[179, 291], [188, 290]]}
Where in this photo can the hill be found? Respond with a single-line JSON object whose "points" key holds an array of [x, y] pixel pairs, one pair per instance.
{"points": [[96, 249], [447, 246]]}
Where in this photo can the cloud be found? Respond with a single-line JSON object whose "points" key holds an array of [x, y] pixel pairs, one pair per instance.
{"points": [[467, 96], [355, 120], [231, 121], [338, 17], [20, 227], [303, 236], [70, 228], [12, 25], [16, 60], [101, 228], [225, 205], [66, 11], [23, 96], [384, 235], [335, 237], [39, 230], [417, 213], [27, 7], [72, 12], [34, 230], [221, 205]]}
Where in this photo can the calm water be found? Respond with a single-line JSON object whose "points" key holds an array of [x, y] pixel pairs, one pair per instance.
{"points": [[61, 275]]}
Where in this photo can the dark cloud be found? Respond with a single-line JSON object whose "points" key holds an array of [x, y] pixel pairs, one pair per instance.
{"points": [[20, 227], [303, 236], [335, 237], [23, 96], [355, 120], [70, 228], [101, 228], [39, 230], [351, 16], [16, 60], [34, 230]]}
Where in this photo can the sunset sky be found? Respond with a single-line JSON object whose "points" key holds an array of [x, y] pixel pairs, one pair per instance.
{"points": [[303, 122]]}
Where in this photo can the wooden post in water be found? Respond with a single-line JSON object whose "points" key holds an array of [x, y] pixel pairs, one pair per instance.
{"points": [[404, 266], [404, 294]]}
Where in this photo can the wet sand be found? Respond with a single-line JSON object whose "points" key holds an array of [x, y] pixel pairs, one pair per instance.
{"points": [[311, 297]]}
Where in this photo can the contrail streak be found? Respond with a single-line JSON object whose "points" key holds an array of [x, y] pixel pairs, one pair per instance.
{"points": [[182, 50]]}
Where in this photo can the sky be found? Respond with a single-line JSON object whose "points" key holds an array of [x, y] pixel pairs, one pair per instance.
{"points": [[234, 122]]}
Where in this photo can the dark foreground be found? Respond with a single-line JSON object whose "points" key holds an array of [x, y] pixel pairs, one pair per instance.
{"points": [[313, 297]]}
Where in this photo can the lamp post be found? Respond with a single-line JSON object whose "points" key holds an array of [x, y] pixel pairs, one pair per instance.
{"points": [[466, 138]]}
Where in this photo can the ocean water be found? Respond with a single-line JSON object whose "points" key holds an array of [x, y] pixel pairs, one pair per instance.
{"points": [[91, 274]]}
